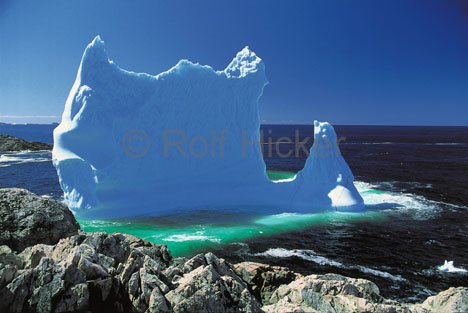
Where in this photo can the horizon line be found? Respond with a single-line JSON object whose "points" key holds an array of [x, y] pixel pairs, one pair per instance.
{"points": [[277, 124]]}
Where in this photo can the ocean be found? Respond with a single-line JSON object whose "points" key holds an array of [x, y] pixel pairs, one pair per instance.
{"points": [[413, 180]]}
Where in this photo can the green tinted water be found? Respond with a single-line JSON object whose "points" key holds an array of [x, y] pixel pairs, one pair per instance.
{"points": [[276, 175], [186, 239]]}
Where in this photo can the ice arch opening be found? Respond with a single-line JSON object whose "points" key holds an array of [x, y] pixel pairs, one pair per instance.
{"points": [[136, 144]]}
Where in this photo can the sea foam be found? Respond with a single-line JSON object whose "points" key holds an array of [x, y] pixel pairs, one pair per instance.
{"points": [[310, 255]]}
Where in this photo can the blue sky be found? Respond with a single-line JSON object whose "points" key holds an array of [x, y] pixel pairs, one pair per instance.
{"points": [[348, 62]]}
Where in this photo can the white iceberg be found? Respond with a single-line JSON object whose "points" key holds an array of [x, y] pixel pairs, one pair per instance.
{"points": [[135, 144], [450, 268]]}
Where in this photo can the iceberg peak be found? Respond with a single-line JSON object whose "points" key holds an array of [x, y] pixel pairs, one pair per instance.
{"points": [[449, 267], [325, 137], [94, 57], [96, 49], [244, 63]]}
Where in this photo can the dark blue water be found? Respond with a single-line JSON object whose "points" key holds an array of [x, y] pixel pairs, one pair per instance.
{"points": [[28, 170], [432, 161], [425, 169], [31, 132]]}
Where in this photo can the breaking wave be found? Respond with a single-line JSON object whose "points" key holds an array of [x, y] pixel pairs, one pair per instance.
{"points": [[198, 236], [9, 159], [310, 255], [377, 199]]}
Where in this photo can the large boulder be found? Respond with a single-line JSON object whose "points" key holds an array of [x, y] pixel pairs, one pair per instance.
{"points": [[27, 219]]}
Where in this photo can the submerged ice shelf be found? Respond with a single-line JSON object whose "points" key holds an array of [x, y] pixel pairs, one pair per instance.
{"points": [[135, 144], [203, 230]]}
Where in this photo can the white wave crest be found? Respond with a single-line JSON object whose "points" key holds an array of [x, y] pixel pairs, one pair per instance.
{"points": [[391, 200], [9, 159], [191, 237], [310, 255], [379, 273]]}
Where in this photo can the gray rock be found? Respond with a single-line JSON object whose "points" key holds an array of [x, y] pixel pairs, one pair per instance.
{"points": [[264, 279], [157, 302], [75, 299], [331, 293], [452, 300], [33, 255], [210, 285], [10, 143], [8, 257], [74, 274], [27, 219], [8, 272]]}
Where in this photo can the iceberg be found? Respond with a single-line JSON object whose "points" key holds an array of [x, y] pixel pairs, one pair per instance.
{"points": [[450, 268], [133, 144]]}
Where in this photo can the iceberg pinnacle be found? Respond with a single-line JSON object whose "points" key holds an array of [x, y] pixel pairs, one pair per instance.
{"points": [[244, 63], [95, 56], [136, 144]]}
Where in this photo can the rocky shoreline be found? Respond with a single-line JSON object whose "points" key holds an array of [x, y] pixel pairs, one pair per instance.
{"points": [[10, 143], [47, 264]]}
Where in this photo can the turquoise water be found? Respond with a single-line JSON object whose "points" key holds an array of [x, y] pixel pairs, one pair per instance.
{"points": [[201, 230]]}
